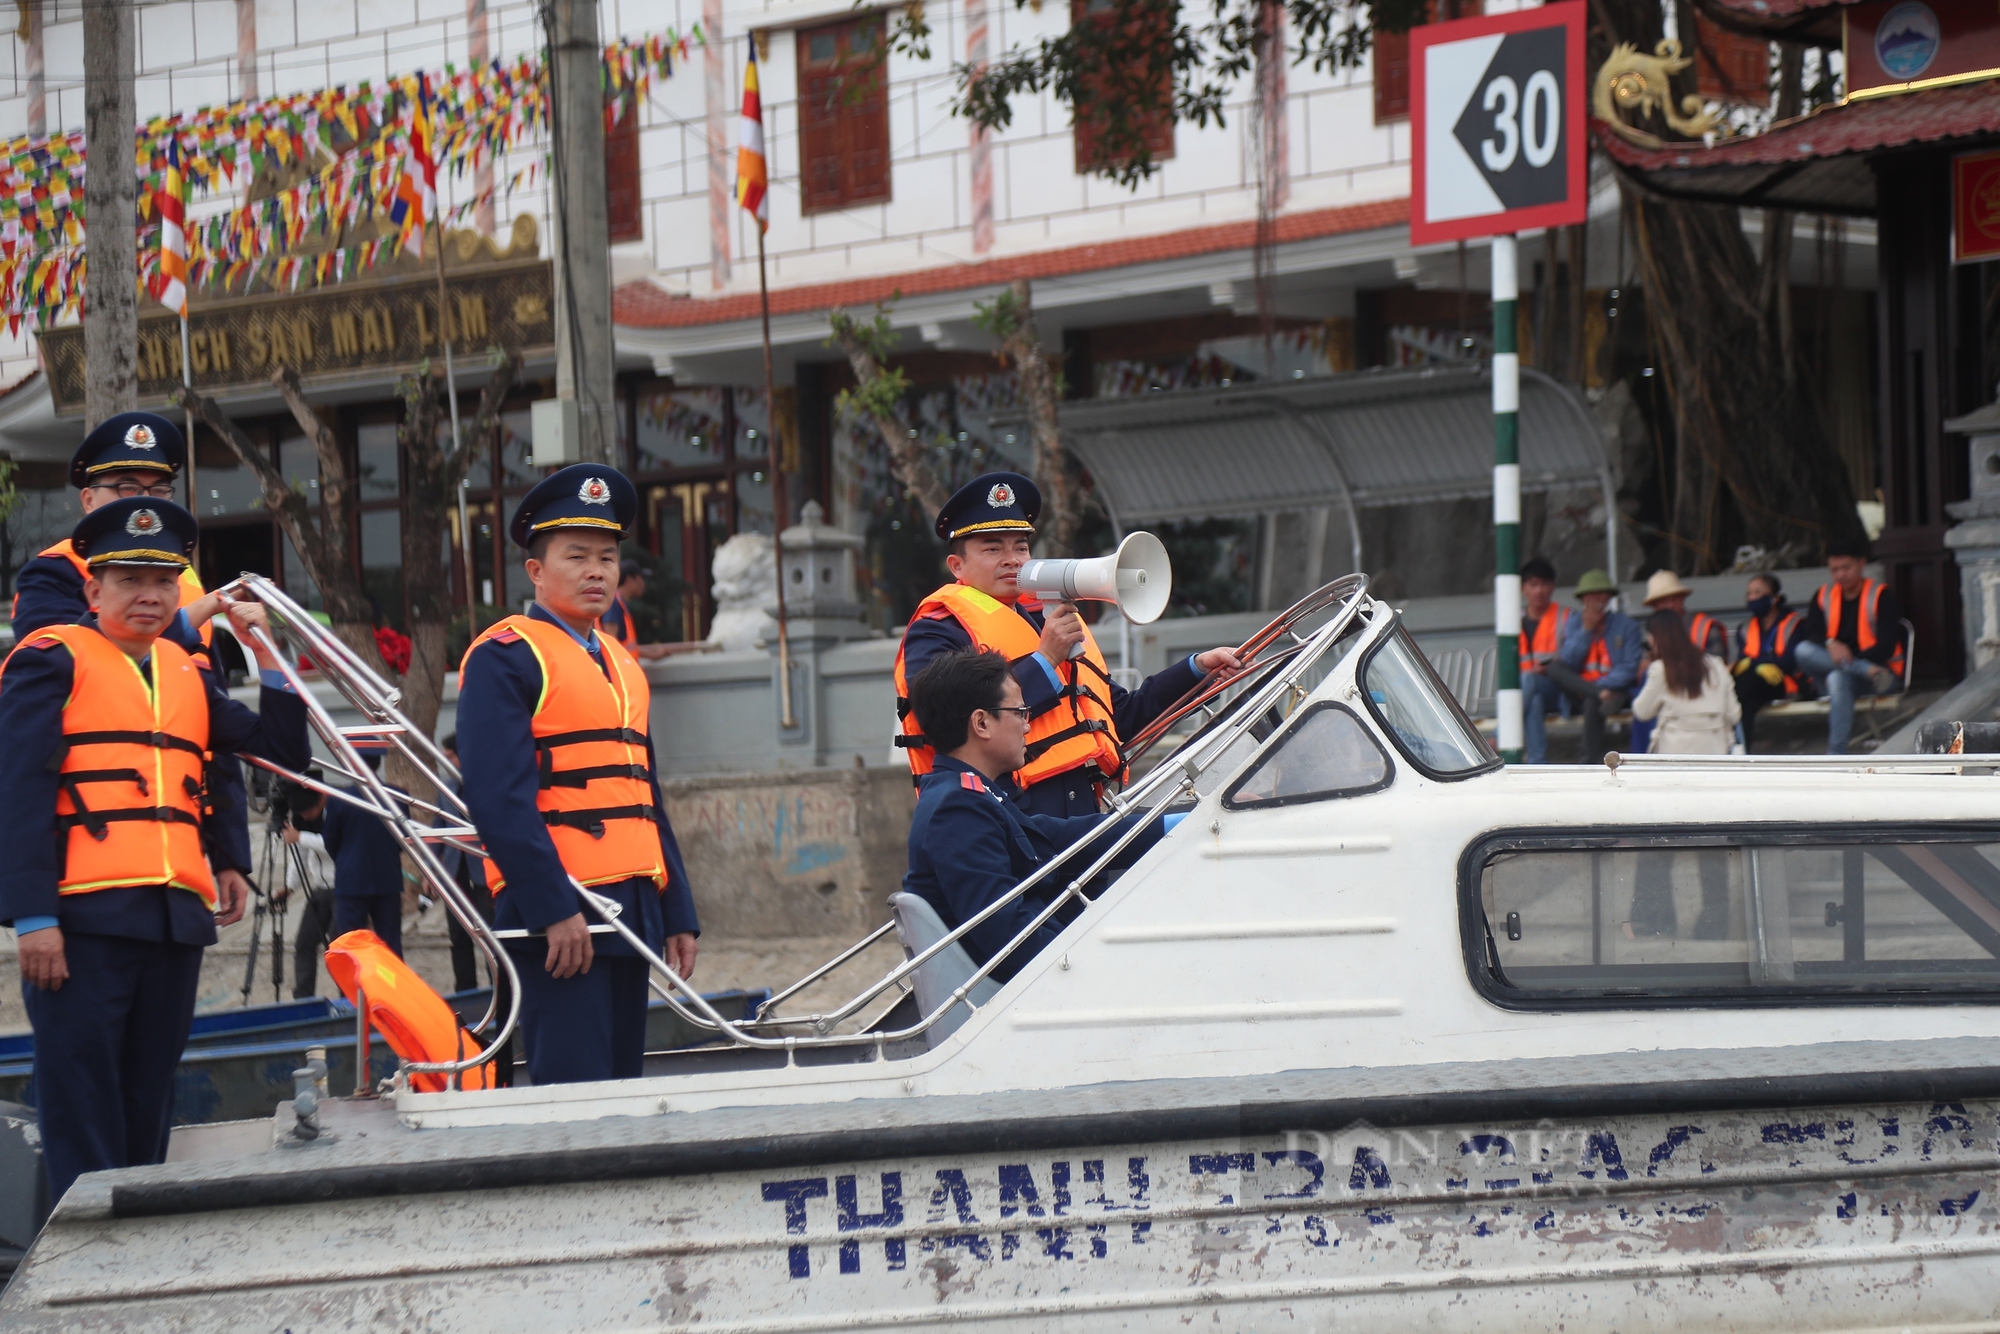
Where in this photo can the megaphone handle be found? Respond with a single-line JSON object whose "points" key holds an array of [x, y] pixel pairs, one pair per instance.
{"points": [[1076, 650]]}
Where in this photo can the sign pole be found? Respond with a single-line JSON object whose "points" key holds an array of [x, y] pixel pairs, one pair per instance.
{"points": [[1507, 500]]}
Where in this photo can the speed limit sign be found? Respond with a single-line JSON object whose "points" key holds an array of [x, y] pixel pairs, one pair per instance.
{"points": [[1497, 137]]}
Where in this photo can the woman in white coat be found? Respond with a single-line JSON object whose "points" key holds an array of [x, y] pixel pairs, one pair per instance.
{"points": [[1689, 691]]}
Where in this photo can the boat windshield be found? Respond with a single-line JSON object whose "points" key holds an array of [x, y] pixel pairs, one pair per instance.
{"points": [[1416, 709]]}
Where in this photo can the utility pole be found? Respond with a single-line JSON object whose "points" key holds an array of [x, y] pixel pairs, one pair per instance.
{"points": [[584, 354], [111, 202]]}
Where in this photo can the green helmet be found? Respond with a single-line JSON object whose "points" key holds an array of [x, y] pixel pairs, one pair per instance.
{"points": [[1596, 581]]}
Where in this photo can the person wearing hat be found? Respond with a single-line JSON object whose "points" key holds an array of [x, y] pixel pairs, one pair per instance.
{"points": [[367, 864], [1076, 713], [1666, 592], [124, 457], [1598, 662], [553, 734], [101, 811]]}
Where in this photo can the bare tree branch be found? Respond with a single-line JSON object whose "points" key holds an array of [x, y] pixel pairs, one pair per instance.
{"points": [[878, 397]]}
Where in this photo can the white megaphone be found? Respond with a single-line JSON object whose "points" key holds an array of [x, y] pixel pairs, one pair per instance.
{"points": [[1137, 576]]}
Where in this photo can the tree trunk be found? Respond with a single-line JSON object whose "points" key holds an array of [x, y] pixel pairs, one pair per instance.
{"points": [[346, 600], [1062, 509], [319, 538], [111, 200], [875, 397]]}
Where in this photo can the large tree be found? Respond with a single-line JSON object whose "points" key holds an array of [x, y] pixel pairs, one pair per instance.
{"points": [[1753, 460]]}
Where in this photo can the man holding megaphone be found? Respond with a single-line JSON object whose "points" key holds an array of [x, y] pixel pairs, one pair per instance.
{"points": [[1076, 713]]}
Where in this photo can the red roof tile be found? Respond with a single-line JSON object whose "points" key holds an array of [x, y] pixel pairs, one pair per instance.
{"points": [[642, 305]]}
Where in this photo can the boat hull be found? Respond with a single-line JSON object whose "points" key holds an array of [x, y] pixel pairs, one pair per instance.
{"points": [[1842, 1219]]}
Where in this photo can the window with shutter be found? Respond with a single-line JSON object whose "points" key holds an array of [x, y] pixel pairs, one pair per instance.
{"points": [[843, 115], [1392, 63], [1144, 20], [622, 199]]}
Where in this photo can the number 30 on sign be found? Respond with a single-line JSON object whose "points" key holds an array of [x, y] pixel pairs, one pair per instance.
{"points": [[1497, 134]]}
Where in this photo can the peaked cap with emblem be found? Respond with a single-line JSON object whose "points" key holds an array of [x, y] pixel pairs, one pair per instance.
{"points": [[126, 442], [138, 531], [997, 502], [583, 495]]}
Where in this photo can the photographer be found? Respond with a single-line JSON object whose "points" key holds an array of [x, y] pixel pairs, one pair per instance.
{"points": [[298, 812]]}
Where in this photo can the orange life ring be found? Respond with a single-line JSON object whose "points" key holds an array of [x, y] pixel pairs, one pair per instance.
{"points": [[413, 1019]]}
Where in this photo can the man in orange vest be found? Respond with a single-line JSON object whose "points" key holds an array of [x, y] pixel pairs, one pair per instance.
{"points": [[1543, 622], [1597, 663], [554, 734], [1852, 639], [138, 454], [107, 879], [1076, 713], [1666, 592]]}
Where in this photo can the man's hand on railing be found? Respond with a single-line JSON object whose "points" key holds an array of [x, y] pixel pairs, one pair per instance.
{"points": [[570, 952], [680, 952]]}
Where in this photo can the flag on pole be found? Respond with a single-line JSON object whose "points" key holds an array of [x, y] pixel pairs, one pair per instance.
{"points": [[415, 201], [169, 284], [752, 176]]}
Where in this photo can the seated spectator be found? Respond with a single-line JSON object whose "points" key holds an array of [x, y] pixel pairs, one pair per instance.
{"points": [[1852, 639], [1543, 621], [1598, 662], [1666, 592], [970, 841], [1688, 691], [1766, 670]]}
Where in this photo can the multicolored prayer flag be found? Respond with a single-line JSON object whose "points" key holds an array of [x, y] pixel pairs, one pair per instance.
{"points": [[170, 285], [752, 175]]}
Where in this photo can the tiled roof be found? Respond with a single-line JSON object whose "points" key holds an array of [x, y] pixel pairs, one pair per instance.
{"points": [[642, 305]]}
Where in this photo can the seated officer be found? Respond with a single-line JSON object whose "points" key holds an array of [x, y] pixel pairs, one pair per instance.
{"points": [[367, 866], [105, 882], [553, 736], [1077, 715], [138, 454], [971, 842]]}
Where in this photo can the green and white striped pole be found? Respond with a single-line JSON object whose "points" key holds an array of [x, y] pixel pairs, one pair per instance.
{"points": [[1507, 500]]}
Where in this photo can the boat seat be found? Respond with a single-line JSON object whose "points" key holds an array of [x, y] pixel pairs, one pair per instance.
{"points": [[919, 927]]}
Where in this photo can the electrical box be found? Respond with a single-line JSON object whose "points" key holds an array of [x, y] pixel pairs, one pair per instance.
{"points": [[556, 430]]}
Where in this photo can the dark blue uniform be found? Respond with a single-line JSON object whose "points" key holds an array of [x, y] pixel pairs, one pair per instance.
{"points": [[49, 591], [970, 843], [1066, 794], [367, 872], [591, 1026], [108, 1041]]}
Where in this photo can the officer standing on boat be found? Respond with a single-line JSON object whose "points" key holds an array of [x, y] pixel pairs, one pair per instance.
{"points": [[105, 883], [1077, 714], [130, 455], [553, 735]]}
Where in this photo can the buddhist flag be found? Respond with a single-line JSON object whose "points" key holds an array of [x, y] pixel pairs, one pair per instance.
{"points": [[415, 201], [170, 283], [752, 176]]}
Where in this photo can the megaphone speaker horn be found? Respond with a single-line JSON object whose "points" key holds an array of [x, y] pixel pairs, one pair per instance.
{"points": [[1137, 576]]}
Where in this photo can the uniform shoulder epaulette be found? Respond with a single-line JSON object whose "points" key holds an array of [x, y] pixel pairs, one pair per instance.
{"points": [[938, 615], [971, 782], [41, 640], [509, 635]]}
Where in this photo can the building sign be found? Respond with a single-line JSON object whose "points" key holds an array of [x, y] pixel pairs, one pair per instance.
{"points": [[352, 332], [1497, 138], [1895, 46], [1975, 207]]}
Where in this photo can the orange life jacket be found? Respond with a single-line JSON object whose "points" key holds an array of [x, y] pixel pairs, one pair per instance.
{"points": [[1597, 663], [1701, 626], [1079, 731], [412, 1019], [590, 748], [126, 737], [191, 589], [629, 636], [1830, 601], [1539, 652], [1781, 641]]}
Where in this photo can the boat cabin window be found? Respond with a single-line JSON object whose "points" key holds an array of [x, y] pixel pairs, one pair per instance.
{"points": [[1419, 712], [1325, 752], [1622, 921]]}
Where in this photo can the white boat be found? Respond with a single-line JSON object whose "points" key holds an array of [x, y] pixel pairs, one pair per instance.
{"points": [[1382, 1036]]}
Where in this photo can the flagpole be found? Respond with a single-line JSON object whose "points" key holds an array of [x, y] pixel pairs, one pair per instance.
{"points": [[451, 392], [187, 382], [778, 505]]}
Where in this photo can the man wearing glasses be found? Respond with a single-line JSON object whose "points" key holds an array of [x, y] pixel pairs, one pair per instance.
{"points": [[138, 454]]}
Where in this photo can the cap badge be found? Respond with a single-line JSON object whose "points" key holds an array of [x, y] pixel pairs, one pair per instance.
{"points": [[141, 437], [1001, 496], [594, 492], [143, 523]]}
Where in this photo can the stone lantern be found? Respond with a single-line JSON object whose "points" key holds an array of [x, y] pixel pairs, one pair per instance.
{"points": [[1975, 539], [819, 577], [823, 624]]}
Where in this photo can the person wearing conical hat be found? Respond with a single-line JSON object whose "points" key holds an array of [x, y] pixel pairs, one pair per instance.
{"points": [[107, 880], [554, 740], [1077, 714]]}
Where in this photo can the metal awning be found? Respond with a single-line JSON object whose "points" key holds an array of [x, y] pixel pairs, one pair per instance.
{"points": [[1375, 438]]}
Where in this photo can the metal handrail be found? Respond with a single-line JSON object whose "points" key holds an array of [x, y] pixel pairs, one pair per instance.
{"points": [[1615, 761], [1171, 779], [377, 700]]}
